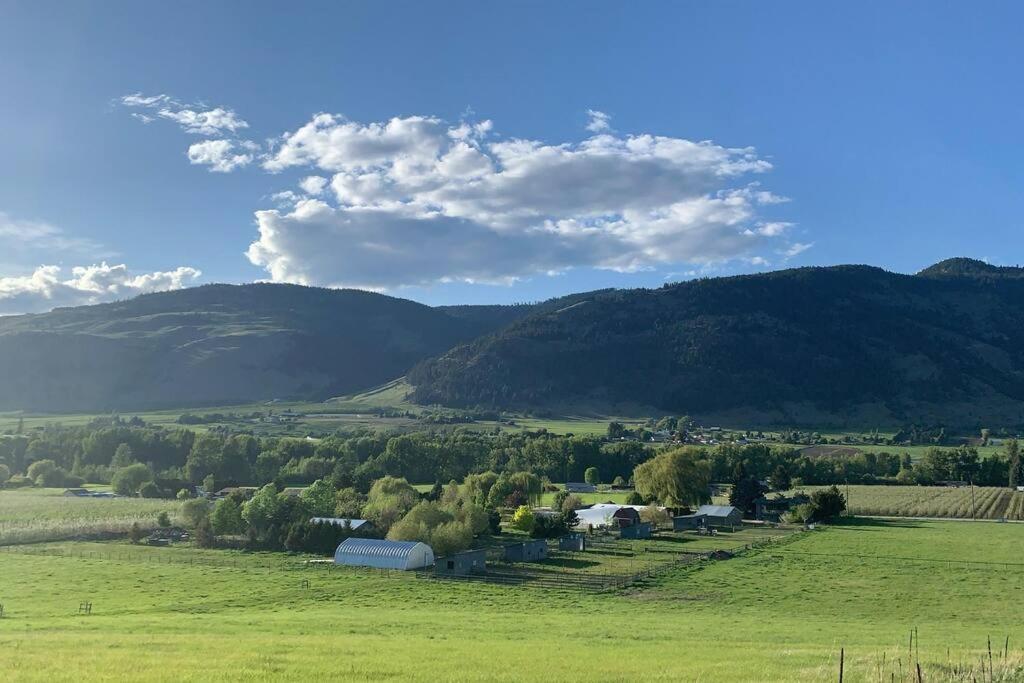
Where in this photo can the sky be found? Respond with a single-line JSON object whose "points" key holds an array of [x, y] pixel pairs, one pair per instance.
{"points": [[465, 152]]}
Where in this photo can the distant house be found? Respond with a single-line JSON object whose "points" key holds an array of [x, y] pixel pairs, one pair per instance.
{"points": [[708, 516], [636, 531], [381, 554], [573, 543], [77, 493], [580, 487], [527, 551], [462, 564], [354, 524], [293, 491]]}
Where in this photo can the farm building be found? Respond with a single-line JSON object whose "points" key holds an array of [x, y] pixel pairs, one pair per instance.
{"points": [[353, 524], [709, 516], [527, 551], [77, 493], [607, 515], [246, 492], [462, 564], [372, 552], [580, 487], [638, 530], [574, 543]]}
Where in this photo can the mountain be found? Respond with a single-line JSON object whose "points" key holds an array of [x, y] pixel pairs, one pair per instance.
{"points": [[222, 344], [812, 346]]}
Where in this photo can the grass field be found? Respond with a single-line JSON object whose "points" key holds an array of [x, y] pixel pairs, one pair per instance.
{"points": [[34, 515], [777, 614], [985, 502]]}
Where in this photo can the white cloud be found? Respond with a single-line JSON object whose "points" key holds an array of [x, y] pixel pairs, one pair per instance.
{"points": [[599, 121], [418, 201], [796, 249], [46, 288], [192, 118], [313, 185], [222, 156]]}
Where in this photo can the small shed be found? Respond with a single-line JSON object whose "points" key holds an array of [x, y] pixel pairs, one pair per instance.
{"points": [[77, 493], [638, 530], [580, 487], [462, 564], [372, 552], [688, 522], [574, 543], [709, 516], [527, 551]]}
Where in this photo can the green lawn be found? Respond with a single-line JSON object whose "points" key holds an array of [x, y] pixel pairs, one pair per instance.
{"points": [[781, 613]]}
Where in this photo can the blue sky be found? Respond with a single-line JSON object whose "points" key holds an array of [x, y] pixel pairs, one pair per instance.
{"points": [[893, 131]]}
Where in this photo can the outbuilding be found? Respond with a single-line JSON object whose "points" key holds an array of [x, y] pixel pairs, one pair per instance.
{"points": [[372, 552], [573, 543], [709, 516], [361, 525], [638, 530], [580, 487], [462, 564], [527, 551], [607, 515]]}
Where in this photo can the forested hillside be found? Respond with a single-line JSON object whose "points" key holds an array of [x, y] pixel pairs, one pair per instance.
{"points": [[810, 345], [221, 344]]}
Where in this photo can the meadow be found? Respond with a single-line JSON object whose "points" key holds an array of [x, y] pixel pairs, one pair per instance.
{"points": [[984, 502], [779, 613], [36, 515]]}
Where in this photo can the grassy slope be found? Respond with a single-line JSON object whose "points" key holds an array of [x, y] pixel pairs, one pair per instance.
{"points": [[780, 614]]}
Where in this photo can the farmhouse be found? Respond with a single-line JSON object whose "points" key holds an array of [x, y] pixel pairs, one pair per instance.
{"points": [[580, 487], [246, 492], [635, 531], [353, 524], [462, 564], [371, 552], [709, 516], [527, 551]]}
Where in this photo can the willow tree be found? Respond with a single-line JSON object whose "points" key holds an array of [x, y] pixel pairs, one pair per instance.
{"points": [[680, 476]]}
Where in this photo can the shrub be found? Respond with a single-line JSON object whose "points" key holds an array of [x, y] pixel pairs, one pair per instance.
{"points": [[591, 476], [571, 502], [183, 494], [128, 480], [150, 490], [559, 499], [227, 517], [195, 512], [619, 482], [523, 518], [163, 519], [136, 533]]}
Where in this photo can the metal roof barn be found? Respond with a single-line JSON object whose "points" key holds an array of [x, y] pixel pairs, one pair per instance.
{"points": [[342, 522], [372, 552]]}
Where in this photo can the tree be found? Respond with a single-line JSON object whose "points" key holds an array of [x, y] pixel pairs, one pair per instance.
{"points": [[655, 516], [523, 518], [348, 503], [319, 497], [209, 483], [559, 499], [389, 499], [163, 519], [618, 483], [780, 479], [194, 512], [123, 456], [150, 490], [136, 534], [591, 476], [827, 504], [41, 471], [616, 430], [184, 494], [260, 511], [128, 480], [745, 492], [1016, 477], [675, 477], [226, 517]]}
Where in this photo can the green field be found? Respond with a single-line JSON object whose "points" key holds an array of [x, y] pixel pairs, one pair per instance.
{"points": [[780, 613], [983, 502], [34, 515]]}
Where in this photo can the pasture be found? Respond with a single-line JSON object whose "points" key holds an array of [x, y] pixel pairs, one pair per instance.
{"points": [[983, 502], [779, 613]]}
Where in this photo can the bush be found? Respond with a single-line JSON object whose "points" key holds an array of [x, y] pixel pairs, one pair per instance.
{"points": [[523, 518], [150, 490], [183, 494], [591, 476], [619, 482], [163, 520], [227, 517], [136, 534], [128, 480], [559, 499], [195, 512], [634, 498]]}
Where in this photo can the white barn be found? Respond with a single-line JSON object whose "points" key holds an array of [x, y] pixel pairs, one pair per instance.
{"points": [[382, 554]]}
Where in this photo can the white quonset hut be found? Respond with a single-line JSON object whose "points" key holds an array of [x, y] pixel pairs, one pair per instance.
{"points": [[372, 552]]}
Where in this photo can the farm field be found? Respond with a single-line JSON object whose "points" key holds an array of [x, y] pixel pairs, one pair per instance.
{"points": [[34, 515], [779, 613], [988, 502]]}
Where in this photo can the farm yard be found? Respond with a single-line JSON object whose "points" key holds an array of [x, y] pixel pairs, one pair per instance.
{"points": [[777, 613], [984, 502]]}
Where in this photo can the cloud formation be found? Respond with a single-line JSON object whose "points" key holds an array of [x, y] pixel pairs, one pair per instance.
{"points": [[47, 288], [192, 118], [222, 156], [417, 201]]}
